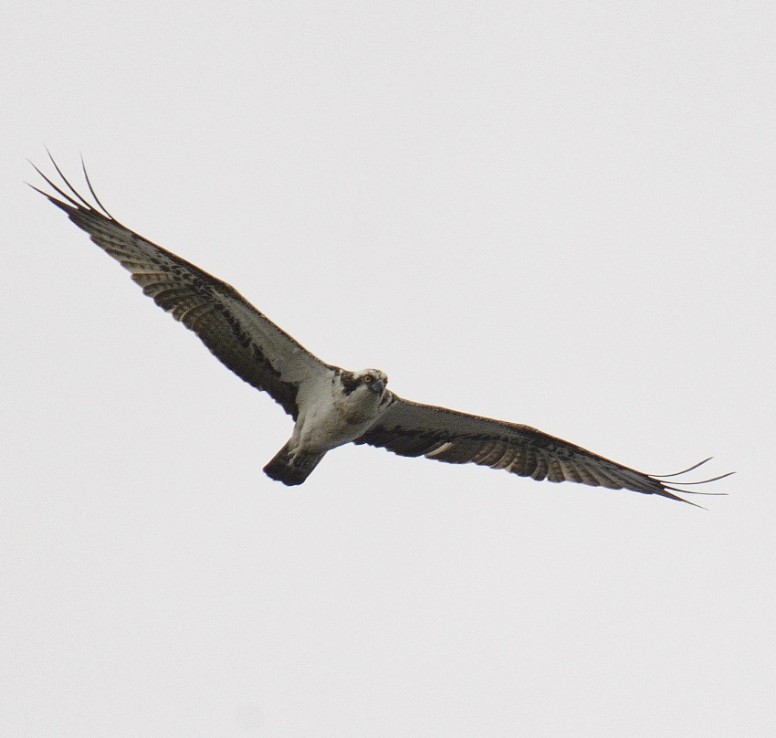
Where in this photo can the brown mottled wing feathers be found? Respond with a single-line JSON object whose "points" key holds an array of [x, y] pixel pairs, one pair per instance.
{"points": [[412, 429], [240, 336]]}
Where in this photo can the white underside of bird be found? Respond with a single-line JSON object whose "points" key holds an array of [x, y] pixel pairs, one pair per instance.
{"points": [[333, 411]]}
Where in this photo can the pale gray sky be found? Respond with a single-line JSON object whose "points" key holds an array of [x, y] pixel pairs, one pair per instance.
{"points": [[556, 214]]}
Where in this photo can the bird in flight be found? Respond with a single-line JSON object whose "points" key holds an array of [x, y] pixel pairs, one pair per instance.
{"points": [[332, 406]]}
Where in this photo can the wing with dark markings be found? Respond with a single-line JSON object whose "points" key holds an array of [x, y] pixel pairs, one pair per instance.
{"points": [[412, 429], [240, 336]]}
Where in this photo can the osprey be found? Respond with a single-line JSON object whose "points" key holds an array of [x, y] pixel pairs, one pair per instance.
{"points": [[331, 406]]}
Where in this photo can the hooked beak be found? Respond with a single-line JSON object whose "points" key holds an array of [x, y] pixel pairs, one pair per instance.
{"points": [[377, 386]]}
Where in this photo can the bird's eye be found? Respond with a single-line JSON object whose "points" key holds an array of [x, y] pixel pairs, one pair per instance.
{"points": [[367, 378]]}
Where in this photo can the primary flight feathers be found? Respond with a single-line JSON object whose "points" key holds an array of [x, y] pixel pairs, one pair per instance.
{"points": [[332, 406]]}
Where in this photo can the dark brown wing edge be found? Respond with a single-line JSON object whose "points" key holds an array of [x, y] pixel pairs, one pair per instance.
{"points": [[203, 303], [413, 429]]}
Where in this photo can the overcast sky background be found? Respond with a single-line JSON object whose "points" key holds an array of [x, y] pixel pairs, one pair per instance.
{"points": [[556, 214]]}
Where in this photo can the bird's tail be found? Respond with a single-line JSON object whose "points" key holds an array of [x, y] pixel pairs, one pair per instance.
{"points": [[292, 469]]}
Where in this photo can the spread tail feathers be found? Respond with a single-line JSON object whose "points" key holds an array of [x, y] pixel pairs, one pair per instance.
{"points": [[292, 469]]}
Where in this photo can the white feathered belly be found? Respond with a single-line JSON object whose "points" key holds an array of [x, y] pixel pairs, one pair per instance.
{"points": [[324, 425]]}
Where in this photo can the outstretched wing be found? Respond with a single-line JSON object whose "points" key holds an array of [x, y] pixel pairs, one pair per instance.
{"points": [[241, 337], [412, 429]]}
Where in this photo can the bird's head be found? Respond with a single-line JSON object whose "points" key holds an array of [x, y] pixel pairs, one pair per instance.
{"points": [[373, 379], [371, 382]]}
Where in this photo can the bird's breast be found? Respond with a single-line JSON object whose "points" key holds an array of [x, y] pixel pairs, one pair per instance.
{"points": [[328, 420]]}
